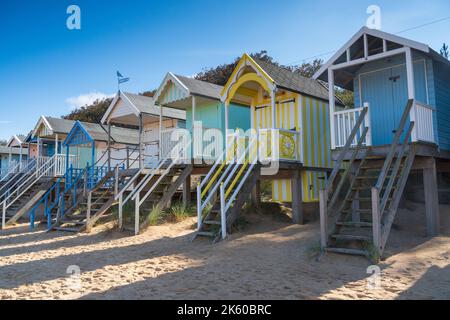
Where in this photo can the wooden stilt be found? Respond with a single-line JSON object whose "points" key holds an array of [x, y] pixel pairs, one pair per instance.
{"points": [[187, 192], [297, 201], [256, 195], [431, 198]]}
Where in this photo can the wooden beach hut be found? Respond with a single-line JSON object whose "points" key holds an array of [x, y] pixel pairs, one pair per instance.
{"points": [[399, 125], [289, 115]]}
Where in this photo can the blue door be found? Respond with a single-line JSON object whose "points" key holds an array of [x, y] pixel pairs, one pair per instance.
{"points": [[387, 93]]}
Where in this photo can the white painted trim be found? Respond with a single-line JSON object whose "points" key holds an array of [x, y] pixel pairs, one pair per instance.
{"points": [[110, 109], [369, 59], [375, 33], [162, 86]]}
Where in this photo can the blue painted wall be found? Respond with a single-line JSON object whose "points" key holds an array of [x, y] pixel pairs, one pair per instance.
{"points": [[442, 98], [388, 98]]}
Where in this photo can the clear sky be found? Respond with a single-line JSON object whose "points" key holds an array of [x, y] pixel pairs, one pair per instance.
{"points": [[46, 69]]}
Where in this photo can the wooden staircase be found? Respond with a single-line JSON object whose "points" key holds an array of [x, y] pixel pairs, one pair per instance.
{"points": [[153, 192], [224, 191], [26, 200], [92, 206], [359, 204]]}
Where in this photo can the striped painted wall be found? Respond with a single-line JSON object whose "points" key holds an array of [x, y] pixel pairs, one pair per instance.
{"points": [[172, 93], [310, 117]]}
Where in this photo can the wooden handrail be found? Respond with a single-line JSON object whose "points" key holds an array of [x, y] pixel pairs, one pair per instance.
{"points": [[347, 171], [395, 142], [350, 139], [395, 170]]}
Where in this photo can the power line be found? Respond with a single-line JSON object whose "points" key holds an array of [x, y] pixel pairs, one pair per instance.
{"points": [[402, 31], [424, 25]]}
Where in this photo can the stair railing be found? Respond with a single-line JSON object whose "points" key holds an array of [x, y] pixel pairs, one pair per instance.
{"points": [[325, 204], [249, 157], [26, 185], [12, 170], [163, 173], [211, 183], [379, 206], [49, 205], [17, 178]]}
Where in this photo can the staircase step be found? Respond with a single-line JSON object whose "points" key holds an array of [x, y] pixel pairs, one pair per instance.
{"points": [[357, 210], [354, 224], [373, 177], [78, 223], [212, 222], [206, 234], [350, 237], [354, 252], [67, 229]]}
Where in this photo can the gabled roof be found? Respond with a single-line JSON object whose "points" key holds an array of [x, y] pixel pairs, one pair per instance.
{"points": [[189, 87], [99, 133], [141, 105], [293, 81], [55, 125], [18, 139], [270, 77], [201, 88], [421, 47]]}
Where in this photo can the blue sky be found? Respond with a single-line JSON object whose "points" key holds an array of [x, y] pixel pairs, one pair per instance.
{"points": [[47, 69]]}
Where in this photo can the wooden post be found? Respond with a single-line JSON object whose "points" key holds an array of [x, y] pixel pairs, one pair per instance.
{"points": [[356, 216], [411, 90], [160, 137], [187, 192], [256, 194], [376, 219], [136, 214], [56, 155], [431, 198], [297, 201], [121, 211], [273, 105], [88, 213], [141, 156], [109, 146], [331, 106], [323, 219]]}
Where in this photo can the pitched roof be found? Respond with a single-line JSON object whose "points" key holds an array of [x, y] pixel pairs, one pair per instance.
{"points": [[142, 103], [424, 48], [293, 81], [59, 125], [99, 132], [201, 88]]}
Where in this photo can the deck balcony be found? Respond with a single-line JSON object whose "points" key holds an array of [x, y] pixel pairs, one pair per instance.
{"points": [[344, 121]]}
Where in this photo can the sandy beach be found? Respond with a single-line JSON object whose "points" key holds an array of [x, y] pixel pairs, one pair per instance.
{"points": [[268, 259]]}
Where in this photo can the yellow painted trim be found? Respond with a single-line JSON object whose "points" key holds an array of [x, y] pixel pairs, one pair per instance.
{"points": [[296, 122], [246, 78], [213, 179], [312, 133], [241, 62], [305, 134]]}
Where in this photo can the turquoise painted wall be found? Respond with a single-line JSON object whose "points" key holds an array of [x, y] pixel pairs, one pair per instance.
{"points": [[213, 116], [388, 98]]}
